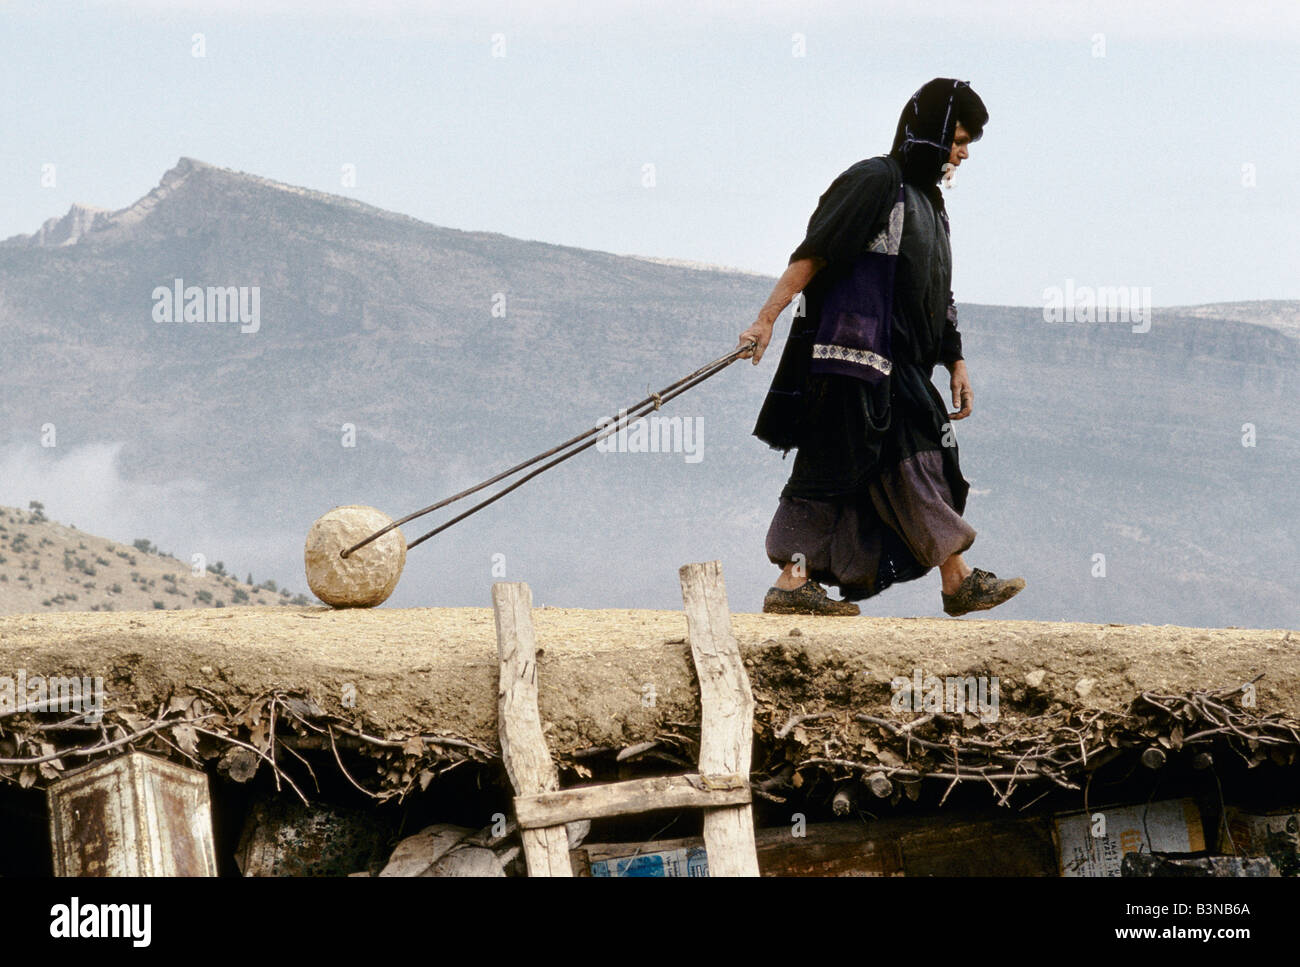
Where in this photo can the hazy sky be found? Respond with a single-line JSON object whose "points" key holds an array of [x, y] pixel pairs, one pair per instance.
{"points": [[1122, 169]]}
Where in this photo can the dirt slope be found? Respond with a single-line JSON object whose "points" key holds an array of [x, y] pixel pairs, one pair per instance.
{"points": [[48, 566]]}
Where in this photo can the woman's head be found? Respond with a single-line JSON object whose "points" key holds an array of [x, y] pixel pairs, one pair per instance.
{"points": [[935, 127]]}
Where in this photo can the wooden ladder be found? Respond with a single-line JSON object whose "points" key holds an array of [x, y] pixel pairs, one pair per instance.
{"points": [[720, 788]]}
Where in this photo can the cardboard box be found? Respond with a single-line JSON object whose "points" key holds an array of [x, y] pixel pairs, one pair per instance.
{"points": [[1171, 826], [1275, 835], [686, 861]]}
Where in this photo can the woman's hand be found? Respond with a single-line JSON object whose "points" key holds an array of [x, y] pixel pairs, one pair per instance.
{"points": [[963, 397], [760, 332]]}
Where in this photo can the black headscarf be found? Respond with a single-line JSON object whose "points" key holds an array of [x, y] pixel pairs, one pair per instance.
{"points": [[928, 125]]}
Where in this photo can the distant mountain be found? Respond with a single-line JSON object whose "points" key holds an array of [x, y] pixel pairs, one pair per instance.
{"points": [[448, 355]]}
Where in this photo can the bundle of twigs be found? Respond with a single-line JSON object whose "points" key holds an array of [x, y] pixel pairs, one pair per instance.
{"points": [[1062, 747], [199, 726]]}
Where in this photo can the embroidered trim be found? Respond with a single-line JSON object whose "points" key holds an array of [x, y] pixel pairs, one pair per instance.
{"points": [[863, 357], [890, 237]]}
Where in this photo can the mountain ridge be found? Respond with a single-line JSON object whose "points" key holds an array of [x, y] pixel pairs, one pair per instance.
{"points": [[1287, 311]]}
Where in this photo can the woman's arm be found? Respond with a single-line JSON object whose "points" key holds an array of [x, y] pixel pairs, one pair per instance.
{"points": [[793, 281]]}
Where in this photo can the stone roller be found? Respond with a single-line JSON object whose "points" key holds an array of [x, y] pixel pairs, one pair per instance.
{"points": [[354, 554], [364, 578]]}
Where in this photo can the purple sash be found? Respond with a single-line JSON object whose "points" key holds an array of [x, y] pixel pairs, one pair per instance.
{"points": [[854, 336]]}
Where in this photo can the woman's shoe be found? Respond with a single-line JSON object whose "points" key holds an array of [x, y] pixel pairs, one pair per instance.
{"points": [[809, 598], [980, 591]]}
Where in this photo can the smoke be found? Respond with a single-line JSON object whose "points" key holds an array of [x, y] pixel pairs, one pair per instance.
{"points": [[84, 486]]}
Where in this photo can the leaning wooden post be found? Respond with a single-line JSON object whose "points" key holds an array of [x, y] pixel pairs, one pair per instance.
{"points": [[523, 746], [726, 715]]}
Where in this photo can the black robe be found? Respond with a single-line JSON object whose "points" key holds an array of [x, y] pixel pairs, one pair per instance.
{"points": [[847, 431]]}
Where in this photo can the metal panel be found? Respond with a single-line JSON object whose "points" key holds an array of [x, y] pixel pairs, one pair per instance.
{"points": [[135, 815]]}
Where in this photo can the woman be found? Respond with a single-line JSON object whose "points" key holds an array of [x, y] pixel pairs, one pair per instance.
{"points": [[876, 492]]}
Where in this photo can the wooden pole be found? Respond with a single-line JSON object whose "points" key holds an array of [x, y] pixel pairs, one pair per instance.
{"points": [[630, 797], [726, 715], [523, 745], [1154, 757]]}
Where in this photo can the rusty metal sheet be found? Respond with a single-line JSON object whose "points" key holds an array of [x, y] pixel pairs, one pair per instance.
{"points": [[282, 837], [1014, 846], [135, 815]]}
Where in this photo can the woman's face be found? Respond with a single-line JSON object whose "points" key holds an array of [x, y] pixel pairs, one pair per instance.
{"points": [[959, 146]]}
